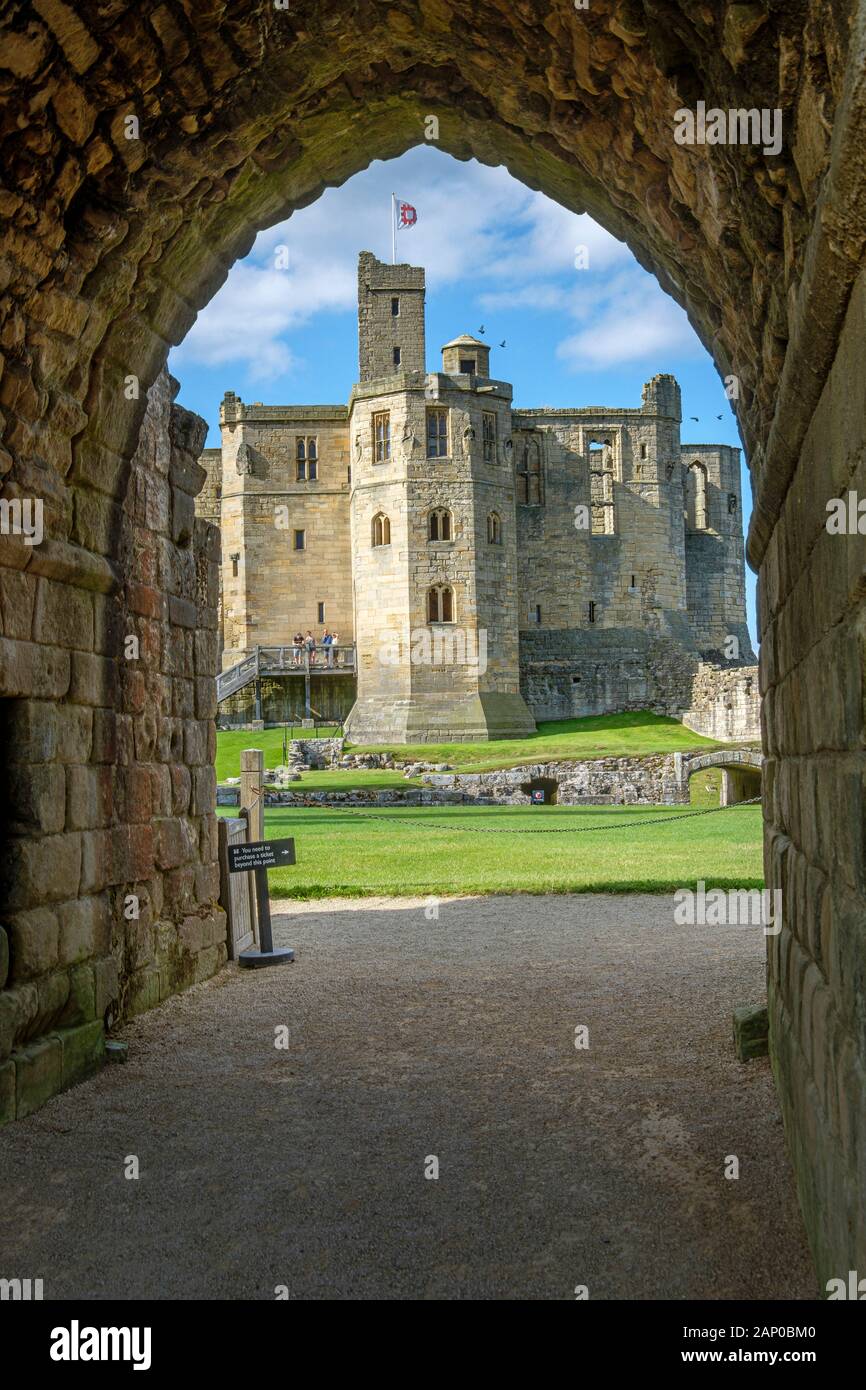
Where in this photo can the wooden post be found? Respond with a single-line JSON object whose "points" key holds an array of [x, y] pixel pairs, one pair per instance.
{"points": [[252, 790]]}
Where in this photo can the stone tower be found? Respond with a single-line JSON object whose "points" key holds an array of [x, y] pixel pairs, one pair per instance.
{"points": [[390, 318], [433, 533]]}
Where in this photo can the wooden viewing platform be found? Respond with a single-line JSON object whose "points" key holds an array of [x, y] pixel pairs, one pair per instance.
{"points": [[285, 661]]}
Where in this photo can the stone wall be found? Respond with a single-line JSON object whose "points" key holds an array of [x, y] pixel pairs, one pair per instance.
{"points": [[108, 899], [725, 704], [813, 657], [569, 675], [650, 781], [270, 587]]}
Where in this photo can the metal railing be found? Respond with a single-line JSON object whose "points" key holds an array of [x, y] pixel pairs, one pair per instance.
{"points": [[286, 661]]}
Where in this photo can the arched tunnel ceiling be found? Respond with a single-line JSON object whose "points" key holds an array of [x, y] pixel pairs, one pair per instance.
{"points": [[246, 111]]}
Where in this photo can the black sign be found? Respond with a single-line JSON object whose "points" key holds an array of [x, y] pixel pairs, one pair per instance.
{"points": [[261, 854]]}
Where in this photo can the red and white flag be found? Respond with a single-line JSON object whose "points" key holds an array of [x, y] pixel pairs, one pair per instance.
{"points": [[403, 216]]}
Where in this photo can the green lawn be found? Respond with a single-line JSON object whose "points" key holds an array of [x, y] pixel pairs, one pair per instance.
{"points": [[601, 736], [433, 850], [230, 742], [340, 780], [604, 736]]}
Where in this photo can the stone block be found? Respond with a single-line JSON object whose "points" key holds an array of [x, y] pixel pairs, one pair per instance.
{"points": [[37, 798], [38, 1074], [63, 616], [191, 934], [34, 938], [144, 991], [107, 985], [750, 1031], [181, 786], [74, 729], [82, 1051], [30, 670], [94, 680], [53, 997], [209, 961], [17, 599], [172, 843], [203, 790], [8, 1090], [81, 1004], [40, 871], [89, 797], [85, 929]]}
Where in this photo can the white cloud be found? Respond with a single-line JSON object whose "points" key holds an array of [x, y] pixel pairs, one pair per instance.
{"points": [[478, 226], [630, 319]]}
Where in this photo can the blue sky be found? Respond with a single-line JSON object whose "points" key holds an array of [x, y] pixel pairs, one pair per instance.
{"points": [[282, 330]]}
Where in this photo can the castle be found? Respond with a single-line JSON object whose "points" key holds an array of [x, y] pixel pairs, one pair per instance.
{"points": [[491, 566]]}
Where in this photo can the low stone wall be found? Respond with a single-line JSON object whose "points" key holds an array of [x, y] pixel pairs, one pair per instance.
{"points": [[651, 781], [657, 780]]}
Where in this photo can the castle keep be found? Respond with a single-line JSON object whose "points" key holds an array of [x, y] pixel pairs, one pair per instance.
{"points": [[491, 566]]}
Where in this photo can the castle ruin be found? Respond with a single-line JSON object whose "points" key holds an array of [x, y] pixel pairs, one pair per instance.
{"points": [[488, 566]]}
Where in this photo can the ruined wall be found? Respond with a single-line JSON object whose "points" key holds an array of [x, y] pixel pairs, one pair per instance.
{"points": [[724, 703], [568, 675], [650, 781], [108, 898], [715, 569]]}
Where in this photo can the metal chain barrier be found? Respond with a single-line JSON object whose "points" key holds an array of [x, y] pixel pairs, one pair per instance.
{"points": [[538, 830]]}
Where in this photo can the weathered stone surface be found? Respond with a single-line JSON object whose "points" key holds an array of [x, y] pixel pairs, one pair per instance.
{"points": [[38, 1074], [750, 1031]]}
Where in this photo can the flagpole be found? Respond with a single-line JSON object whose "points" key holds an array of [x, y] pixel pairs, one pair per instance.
{"points": [[393, 229]]}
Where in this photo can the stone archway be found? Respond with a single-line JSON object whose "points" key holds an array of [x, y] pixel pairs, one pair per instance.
{"points": [[144, 147], [740, 769]]}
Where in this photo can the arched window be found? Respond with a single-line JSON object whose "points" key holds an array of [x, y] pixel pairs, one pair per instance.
{"points": [[440, 604], [381, 529], [302, 450], [529, 485], [494, 529], [312, 449], [696, 497], [439, 525]]}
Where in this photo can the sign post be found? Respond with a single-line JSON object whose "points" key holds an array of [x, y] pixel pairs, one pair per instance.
{"points": [[258, 857]]}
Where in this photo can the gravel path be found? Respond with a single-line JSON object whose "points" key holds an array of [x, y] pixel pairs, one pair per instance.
{"points": [[412, 1037]]}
